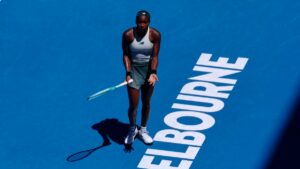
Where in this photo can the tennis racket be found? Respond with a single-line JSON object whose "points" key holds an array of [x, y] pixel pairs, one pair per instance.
{"points": [[95, 95]]}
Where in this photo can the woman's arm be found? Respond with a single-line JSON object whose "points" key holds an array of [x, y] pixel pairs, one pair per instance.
{"points": [[156, 46], [126, 56], [155, 38]]}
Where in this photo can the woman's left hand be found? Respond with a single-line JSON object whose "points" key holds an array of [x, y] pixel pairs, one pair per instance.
{"points": [[152, 79]]}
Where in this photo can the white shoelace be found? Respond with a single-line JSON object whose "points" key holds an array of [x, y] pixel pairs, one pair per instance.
{"points": [[144, 131]]}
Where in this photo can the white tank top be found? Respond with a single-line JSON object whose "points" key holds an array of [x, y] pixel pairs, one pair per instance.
{"points": [[141, 48]]}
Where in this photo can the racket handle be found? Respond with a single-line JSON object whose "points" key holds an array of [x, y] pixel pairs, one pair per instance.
{"points": [[124, 83]]}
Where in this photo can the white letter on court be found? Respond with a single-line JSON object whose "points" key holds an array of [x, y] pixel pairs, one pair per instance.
{"points": [[204, 59], [146, 162], [216, 104], [175, 136], [190, 153], [214, 75], [207, 120], [209, 89]]}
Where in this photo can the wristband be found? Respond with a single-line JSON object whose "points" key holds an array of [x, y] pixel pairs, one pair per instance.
{"points": [[128, 74], [153, 72]]}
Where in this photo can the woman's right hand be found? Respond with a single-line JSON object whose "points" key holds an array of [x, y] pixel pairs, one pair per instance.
{"points": [[128, 78]]}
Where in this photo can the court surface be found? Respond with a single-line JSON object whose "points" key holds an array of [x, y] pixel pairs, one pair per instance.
{"points": [[55, 53]]}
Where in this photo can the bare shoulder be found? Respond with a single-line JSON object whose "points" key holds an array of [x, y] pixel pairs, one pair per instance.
{"points": [[128, 34], [154, 34]]}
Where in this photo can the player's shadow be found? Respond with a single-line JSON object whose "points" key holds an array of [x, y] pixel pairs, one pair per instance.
{"points": [[286, 152], [111, 130]]}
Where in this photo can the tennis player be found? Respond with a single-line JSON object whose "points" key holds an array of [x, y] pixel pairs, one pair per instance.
{"points": [[140, 57]]}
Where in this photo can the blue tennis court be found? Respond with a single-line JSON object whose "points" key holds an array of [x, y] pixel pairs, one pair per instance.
{"points": [[54, 54]]}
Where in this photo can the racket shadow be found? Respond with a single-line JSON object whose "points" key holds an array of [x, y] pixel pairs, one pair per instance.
{"points": [[111, 130], [83, 154]]}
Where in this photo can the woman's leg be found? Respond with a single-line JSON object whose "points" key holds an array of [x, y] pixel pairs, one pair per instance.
{"points": [[133, 96], [147, 91]]}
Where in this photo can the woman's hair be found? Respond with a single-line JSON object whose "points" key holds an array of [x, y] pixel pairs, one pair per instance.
{"points": [[143, 13]]}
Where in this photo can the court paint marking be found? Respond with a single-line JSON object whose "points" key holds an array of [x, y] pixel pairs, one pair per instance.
{"points": [[208, 88]]}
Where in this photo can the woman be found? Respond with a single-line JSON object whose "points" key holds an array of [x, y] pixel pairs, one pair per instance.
{"points": [[140, 57]]}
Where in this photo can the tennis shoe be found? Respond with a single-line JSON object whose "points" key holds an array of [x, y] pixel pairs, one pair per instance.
{"points": [[131, 135], [143, 134]]}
